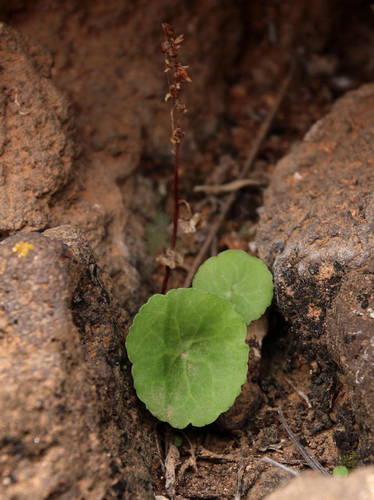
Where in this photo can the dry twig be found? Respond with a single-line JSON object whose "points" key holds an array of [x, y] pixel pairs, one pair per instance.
{"points": [[204, 454], [228, 187], [264, 129]]}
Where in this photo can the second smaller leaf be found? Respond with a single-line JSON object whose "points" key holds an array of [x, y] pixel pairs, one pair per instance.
{"points": [[242, 279]]}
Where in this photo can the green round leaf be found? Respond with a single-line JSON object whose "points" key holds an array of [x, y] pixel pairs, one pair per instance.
{"points": [[240, 278], [340, 470], [189, 356]]}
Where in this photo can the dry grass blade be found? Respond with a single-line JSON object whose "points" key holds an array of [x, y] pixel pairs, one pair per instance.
{"points": [[311, 461], [280, 466], [300, 393]]}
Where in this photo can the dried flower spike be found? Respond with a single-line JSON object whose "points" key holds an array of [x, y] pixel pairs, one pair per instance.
{"points": [[177, 76]]}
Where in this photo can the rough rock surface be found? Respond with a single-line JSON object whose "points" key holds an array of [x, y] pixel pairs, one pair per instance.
{"points": [[69, 427], [36, 150], [349, 330], [359, 485], [268, 482], [316, 233]]}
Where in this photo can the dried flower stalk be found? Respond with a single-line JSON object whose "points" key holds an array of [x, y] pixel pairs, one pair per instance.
{"points": [[177, 76]]}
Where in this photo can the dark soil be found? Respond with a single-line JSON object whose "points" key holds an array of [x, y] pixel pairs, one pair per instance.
{"points": [[330, 44]]}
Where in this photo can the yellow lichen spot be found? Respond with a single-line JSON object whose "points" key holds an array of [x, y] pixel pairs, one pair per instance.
{"points": [[22, 248]]}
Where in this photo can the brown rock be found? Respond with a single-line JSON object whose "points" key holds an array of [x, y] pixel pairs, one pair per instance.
{"points": [[316, 233], [269, 481], [349, 329], [36, 152], [359, 485], [37, 155], [70, 426]]}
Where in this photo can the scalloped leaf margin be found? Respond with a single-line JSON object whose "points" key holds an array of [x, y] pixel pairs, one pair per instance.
{"points": [[189, 356]]}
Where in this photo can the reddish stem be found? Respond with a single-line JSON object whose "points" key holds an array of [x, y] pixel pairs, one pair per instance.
{"points": [[173, 241], [176, 196], [166, 279]]}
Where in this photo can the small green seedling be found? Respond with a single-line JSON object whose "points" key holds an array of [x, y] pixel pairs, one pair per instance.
{"points": [[188, 347], [340, 471], [178, 440]]}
